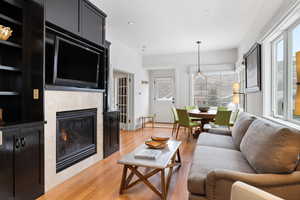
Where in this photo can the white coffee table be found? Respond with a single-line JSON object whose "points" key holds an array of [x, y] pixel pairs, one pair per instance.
{"points": [[167, 159]]}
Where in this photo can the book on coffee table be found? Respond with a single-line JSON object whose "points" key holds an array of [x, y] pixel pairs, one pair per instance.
{"points": [[147, 154]]}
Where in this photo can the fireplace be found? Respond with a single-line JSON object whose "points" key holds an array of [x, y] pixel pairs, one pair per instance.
{"points": [[76, 136]]}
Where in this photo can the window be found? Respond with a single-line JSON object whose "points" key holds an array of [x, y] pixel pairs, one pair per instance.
{"points": [[284, 74], [278, 77], [216, 92]]}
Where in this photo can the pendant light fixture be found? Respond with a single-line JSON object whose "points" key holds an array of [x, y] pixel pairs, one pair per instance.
{"points": [[199, 74]]}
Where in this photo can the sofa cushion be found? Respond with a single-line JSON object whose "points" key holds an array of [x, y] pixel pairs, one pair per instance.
{"points": [[220, 131], [213, 140], [271, 148], [207, 158], [240, 128]]}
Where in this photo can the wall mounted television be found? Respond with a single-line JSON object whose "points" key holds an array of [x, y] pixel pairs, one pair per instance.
{"points": [[75, 64]]}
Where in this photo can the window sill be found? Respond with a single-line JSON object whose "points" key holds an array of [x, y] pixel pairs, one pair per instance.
{"points": [[283, 122]]}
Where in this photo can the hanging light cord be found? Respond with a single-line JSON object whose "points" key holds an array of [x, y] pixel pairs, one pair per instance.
{"points": [[199, 42]]}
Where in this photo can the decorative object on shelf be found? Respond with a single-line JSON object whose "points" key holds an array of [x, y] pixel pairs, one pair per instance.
{"points": [[297, 99], [1, 117], [5, 32], [253, 69], [199, 73]]}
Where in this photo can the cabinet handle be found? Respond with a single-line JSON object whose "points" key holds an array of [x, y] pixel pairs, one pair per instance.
{"points": [[18, 143], [23, 142]]}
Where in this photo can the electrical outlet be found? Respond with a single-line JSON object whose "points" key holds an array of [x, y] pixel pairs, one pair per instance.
{"points": [[36, 94], [1, 140]]}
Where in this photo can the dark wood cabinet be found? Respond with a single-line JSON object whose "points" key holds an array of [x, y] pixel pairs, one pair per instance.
{"points": [[7, 163], [79, 17], [63, 13], [22, 162], [111, 125], [92, 23]]}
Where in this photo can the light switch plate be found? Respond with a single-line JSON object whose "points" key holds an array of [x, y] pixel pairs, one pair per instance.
{"points": [[1, 140], [36, 94]]}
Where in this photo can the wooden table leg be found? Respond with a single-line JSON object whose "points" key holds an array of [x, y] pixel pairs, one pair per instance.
{"points": [[179, 157], [163, 185], [123, 181]]}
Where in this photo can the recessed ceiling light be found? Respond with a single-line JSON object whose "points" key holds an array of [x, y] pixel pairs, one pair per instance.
{"points": [[130, 22]]}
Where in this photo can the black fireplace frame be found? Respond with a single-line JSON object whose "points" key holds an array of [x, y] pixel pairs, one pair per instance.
{"points": [[86, 152]]}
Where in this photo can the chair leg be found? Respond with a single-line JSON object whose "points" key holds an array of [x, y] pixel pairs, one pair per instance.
{"points": [[174, 128], [152, 122], [177, 131]]}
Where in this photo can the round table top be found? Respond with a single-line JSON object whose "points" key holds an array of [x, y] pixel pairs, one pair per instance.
{"points": [[211, 114]]}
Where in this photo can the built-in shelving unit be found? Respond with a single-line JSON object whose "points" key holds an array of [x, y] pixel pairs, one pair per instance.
{"points": [[11, 61]]}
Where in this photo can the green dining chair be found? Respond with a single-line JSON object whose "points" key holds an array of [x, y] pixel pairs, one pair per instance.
{"points": [[175, 118], [222, 119], [222, 108], [185, 121]]}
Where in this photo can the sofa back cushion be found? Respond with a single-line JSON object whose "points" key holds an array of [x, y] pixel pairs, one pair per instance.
{"points": [[240, 128], [271, 148]]}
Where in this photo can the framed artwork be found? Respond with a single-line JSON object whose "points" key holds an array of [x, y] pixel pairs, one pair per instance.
{"points": [[253, 69]]}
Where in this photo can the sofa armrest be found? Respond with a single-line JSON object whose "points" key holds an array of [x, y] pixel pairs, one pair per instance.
{"points": [[219, 182], [220, 131]]}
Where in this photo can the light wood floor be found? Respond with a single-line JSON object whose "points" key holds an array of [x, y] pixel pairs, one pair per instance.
{"points": [[102, 180]]}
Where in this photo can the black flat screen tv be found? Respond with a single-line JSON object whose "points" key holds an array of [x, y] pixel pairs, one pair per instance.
{"points": [[75, 64]]}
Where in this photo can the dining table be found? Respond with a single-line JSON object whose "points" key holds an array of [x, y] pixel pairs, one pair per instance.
{"points": [[205, 117]]}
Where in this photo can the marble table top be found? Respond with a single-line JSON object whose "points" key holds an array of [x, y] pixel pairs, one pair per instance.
{"points": [[161, 162]]}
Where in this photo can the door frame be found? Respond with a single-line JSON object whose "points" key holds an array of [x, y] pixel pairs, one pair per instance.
{"points": [[161, 73], [130, 98]]}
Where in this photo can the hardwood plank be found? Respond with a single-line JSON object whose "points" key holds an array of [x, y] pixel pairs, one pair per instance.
{"points": [[102, 180]]}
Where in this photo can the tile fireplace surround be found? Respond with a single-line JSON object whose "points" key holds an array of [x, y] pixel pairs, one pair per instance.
{"points": [[58, 101]]}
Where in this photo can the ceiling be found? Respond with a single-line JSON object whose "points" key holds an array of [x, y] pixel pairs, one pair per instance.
{"points": [[173, 26]]}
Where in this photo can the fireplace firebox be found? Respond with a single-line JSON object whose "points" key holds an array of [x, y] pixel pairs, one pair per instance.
{"points": [[76, 136]]}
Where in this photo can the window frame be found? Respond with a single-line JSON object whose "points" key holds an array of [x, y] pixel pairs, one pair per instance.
{"points": [[287, 37], [274, 54]]}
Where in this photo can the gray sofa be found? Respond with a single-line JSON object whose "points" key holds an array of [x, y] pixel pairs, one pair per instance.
{"points": [[256, 151]]}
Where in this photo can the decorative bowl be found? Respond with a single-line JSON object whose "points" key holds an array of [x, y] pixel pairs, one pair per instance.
{"points": [[5, 32], [160, 139], [155, 145], [204, 109]]}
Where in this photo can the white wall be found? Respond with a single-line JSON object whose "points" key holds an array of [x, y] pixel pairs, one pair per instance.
{"points": [[126, 59], [182, 63], [254, 101]]}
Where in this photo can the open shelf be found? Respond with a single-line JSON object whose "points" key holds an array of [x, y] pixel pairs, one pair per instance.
{"points": [[7, 68], [9, 19], [9, 93], [12, 44]]}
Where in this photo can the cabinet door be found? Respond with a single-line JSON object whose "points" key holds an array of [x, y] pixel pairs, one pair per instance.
{"points": [[111, 133], [28, 163], [115, 132], [6, 166], [63, 13], [92, 23]]}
